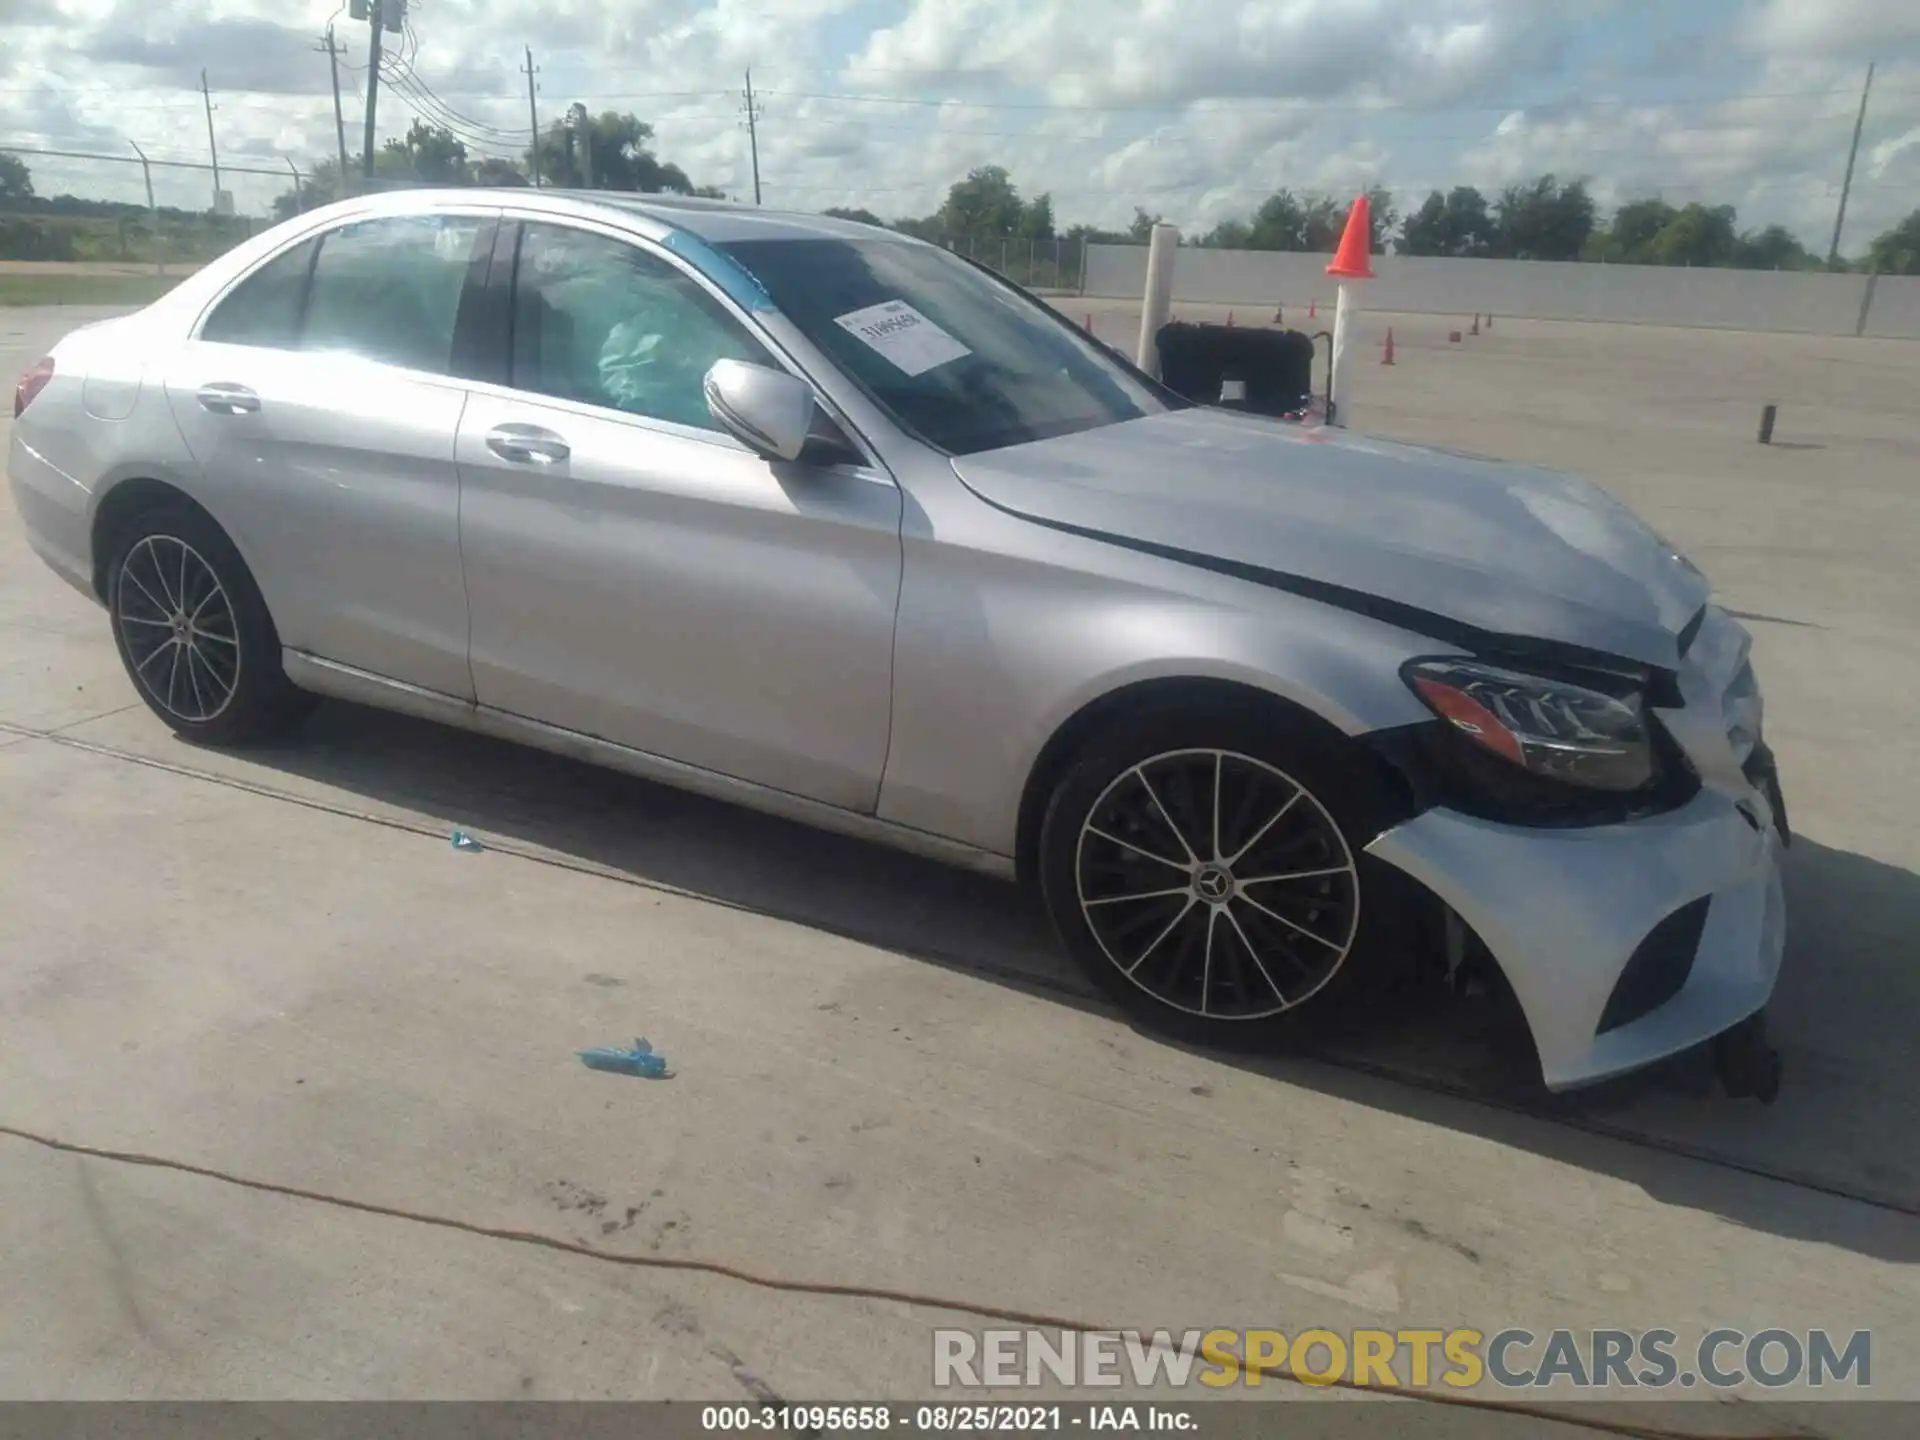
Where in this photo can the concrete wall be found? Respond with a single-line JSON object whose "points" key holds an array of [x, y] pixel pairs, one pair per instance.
{"points": [[1896, 307], [1631, 294]]}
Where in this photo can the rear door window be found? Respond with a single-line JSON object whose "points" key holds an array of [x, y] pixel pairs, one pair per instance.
{"points": [[389, 289], [264, 309]]}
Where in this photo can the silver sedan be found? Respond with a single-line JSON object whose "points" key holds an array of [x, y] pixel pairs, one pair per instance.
{"points": [[827, 521]]}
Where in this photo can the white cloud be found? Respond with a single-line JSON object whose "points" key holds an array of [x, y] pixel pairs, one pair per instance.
{"points": [[1193, 111]]}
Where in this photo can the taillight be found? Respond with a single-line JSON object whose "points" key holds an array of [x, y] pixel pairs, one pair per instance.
{"points": [[31, 384]]}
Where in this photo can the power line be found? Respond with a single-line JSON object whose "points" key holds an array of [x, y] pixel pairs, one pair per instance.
{"points": [[1228, 105]]}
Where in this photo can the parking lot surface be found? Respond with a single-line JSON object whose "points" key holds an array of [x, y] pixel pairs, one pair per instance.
{"points": [[273, 964]]}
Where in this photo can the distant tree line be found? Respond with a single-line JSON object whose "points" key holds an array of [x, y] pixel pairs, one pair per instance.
{"points": [[1547, 218]]}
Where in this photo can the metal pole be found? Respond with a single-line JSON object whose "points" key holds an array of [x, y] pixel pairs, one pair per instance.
{"points": [[153, 211], [1157, 303], [373, 92], [1866, 302], [339, 117], [1846, 185], [533, 122], [1083, 264], [299, 200], [213, 150], [753, 137]]}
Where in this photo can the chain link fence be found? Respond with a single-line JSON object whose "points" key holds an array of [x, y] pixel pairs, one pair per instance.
{"points": [[149, 208], [88, 207], [1050, 264]]}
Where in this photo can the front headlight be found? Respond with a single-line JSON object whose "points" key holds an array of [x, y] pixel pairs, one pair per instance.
{"points": [[1552, 728]]}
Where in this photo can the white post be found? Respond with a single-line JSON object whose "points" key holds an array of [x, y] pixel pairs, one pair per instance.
{"points": [[1346, 311], [1157, 304]]}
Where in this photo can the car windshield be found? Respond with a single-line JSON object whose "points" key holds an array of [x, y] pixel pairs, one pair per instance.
{"points": [[954, 356]]}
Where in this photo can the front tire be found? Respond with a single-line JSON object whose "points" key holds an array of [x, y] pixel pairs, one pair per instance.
{"points": [[1206, 871], [193, 630]]}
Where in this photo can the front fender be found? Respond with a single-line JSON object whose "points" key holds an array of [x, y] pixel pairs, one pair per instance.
{"points": [[996, 653]]}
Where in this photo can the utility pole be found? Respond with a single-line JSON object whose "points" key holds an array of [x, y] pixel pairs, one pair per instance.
{"points": [[753, 136], [583, 132], [373, 88], [533, 122], [339, 118], [212, 149], [1846, 185]]}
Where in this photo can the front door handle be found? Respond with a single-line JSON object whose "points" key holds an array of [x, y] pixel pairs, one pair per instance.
{"points": [[224, 399], [527, 444]]}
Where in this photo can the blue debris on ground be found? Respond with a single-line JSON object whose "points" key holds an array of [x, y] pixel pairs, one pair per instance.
{"points": [[464, 841], [642, 1061]]}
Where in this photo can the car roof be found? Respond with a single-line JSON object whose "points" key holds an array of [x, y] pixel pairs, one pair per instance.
{"points": [[718, 222]]}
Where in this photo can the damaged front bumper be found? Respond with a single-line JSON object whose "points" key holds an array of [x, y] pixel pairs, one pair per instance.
{"points": [[1629, 942], [1684, 910]]}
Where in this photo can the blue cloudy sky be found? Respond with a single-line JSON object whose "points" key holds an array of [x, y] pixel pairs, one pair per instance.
{"points": [[1189, 109]]}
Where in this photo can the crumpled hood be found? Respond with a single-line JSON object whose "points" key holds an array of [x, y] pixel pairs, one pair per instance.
{"points": [[1510, 553]]}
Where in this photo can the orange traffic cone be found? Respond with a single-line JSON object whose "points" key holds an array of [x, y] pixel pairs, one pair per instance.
{"points": [[1386, 351], [1476, 324], [1353, 260]]}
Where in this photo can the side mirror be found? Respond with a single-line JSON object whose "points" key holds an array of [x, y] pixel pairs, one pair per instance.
{"points": [[768, 411]]}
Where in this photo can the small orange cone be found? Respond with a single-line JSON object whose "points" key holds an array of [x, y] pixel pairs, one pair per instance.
{"points": [[1476, 324], [1386, 351], [1353, 260]]}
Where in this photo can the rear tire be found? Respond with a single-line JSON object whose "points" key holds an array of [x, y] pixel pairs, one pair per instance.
{"points": [[193, 630], [1171, 905]]}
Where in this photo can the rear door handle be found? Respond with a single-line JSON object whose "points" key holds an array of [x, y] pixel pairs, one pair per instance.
{"points": [[527, 444], [224, 399]]}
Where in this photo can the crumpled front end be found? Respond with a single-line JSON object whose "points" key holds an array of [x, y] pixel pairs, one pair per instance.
{"points": [[1629, 942]]}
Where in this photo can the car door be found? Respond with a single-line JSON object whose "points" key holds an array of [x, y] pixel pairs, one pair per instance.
{"points": [[316, 398], [634, 573]]}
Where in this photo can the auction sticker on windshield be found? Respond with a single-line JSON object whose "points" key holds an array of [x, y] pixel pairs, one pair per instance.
{"points": [[901, 333]]}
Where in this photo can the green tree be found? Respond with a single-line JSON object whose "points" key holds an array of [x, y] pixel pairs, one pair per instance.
{"points": [[1629, 239], [1774, 248], [1383, 217], [1228, 235], [1036, 221], [495, 171], [1141, 226], [1545, 219], [1094, 235], [1457, 224], [1696, 235], [432, 154], [617, 148], [985, 203], [924, 227], [1897, 252], [863, 217], [16, 180]]}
